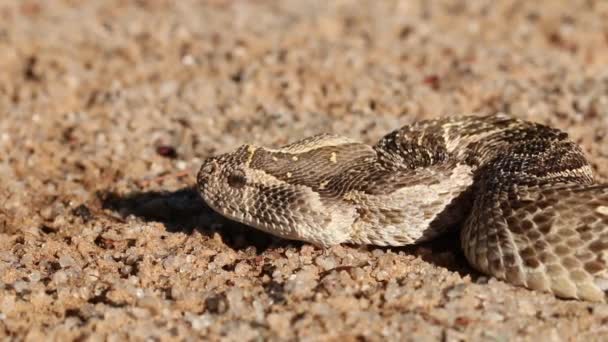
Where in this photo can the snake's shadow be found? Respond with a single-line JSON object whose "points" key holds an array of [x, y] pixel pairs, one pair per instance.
{"points": [[445, 252], [184, 211]]}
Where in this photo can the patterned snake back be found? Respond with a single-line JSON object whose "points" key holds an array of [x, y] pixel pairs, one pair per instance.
{"points": [[523, 194]]}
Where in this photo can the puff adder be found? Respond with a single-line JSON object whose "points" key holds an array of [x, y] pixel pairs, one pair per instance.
{"points": [[523, 195]]}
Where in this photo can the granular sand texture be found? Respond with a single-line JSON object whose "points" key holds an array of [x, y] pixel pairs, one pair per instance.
{"points": [[107, 109]]}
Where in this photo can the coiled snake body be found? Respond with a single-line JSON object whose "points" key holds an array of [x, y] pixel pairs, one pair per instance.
{"points": [[523, 194]]}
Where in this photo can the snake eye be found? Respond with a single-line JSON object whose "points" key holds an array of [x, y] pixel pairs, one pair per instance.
{"points": [[237, 179]]}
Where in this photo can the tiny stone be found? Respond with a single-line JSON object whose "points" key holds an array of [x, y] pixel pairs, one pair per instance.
{"points": [[139, 293], [167, 88], [216, 304], [27, 259], [326, 263], [494, 316], [8, 257], [169, 262], [242, 268], [377, 252], [150, 303], [456, 291], [166, 151], [392, 291], [60, 277], [258, 309], [66, 261], [188, 60], [278, 322], [47, 213], [382, 275], [20, 286], [200, 322], [236, 301], [321, 309], [34, 276], [301, 283]]}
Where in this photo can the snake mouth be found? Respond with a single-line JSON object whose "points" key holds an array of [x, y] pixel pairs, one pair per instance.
{"points": [[240, 217]]}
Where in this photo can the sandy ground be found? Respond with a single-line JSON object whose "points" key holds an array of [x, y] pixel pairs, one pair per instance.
{"points": [[100, 99]]}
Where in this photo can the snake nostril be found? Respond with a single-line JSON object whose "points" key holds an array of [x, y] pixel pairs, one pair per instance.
{"points": [[206, 170]]}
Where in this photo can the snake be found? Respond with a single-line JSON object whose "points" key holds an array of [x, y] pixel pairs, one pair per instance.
{"points": [[526, 202]]}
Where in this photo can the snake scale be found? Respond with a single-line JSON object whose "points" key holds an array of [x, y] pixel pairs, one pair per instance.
{"points": [[522, 194]]}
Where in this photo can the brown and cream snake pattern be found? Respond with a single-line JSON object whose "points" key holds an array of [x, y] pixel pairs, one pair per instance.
{"points": [[523, 195]]}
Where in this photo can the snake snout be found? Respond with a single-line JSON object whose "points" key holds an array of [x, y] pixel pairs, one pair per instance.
{"points": [[206, 171]]}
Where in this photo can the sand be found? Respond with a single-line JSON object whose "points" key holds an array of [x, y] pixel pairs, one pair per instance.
{"points": [[107, 109]]}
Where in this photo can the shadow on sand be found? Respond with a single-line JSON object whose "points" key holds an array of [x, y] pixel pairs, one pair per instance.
{"points": [[184, 211]]}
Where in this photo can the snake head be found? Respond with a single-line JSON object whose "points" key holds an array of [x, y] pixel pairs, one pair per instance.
{"points": [[222, 180], [242, 187]]}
